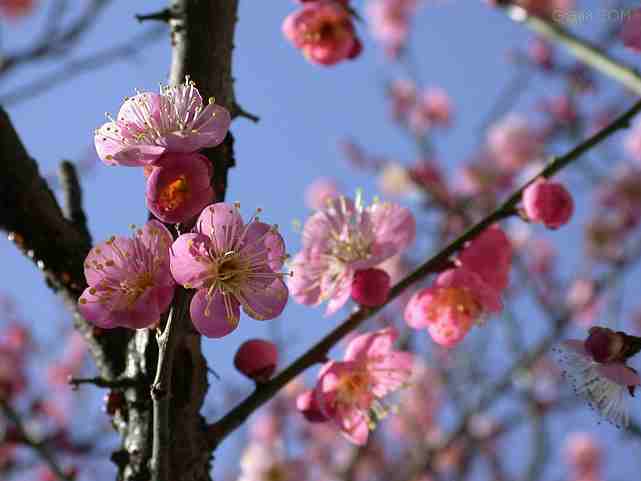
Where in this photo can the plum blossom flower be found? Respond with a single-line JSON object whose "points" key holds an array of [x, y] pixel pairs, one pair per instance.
{"points": [[324, 31], [433, 109], [583, 453], [449, 308], [130, 284], [350, 392], [342, 238], [179, 187], [548, 202], [605, 386], [513, 143], [15, 8], [490, 256], [390, 22], [231, 264], [150, 124], [631, 32]]}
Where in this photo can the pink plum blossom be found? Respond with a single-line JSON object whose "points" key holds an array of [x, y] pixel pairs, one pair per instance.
{"points": [[548, 203], [632, 142], [324, 31], [350, 392], [631, 32], [342, 238], [583, 452], [490, 256], [433, 109], [513, 143], [320, 191], [230, 264], [130, 284], [390, 22], [307, 405], [178, 188], [150, 124], [257, 359], [605, 386], [16, 8], [449, 308]]}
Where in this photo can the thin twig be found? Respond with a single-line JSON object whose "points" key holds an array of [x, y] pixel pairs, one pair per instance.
{"points": [[263, 393], [26, 439], [583, 50], [106, 383]]}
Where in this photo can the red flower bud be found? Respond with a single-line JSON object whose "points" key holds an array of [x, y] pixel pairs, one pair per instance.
{"points": [[371, 287], [257, 359]]}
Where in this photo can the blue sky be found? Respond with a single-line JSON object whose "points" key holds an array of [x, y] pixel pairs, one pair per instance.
{"points": [[461, 45]]}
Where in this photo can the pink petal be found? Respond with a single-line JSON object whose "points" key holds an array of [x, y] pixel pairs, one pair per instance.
{"points": [[222, 223], [303, 286], [102, 253], [619, 374], [371, 344], [259, 236], [189, 260], [391, 372], [130, 111], [340, 291], [262, 304], [394, 229], [209, 315]]}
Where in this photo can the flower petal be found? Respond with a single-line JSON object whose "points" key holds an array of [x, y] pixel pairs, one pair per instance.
{"points": [[263, 304], [214, 316], [190, 263], [222, 223]]}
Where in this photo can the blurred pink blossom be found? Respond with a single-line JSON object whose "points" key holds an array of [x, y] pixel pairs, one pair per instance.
{"points": [[513, 142], [319, 192]]}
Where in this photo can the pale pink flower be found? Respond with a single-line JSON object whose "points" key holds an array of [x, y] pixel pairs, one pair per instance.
{"points": [[150, 124], [130, 284], [16, 8], [390, 22], [267, 462], [449, 308], [605, 386], [350, 392], [631, 32], [319, 192], [395, 180], [402, 93], [324, 31], [490, 256], [231, 264], [548, 203], [257, 359], [583, 452], [632, 142], [341, 239], [513, 143], [433, 109], [179, 187]]}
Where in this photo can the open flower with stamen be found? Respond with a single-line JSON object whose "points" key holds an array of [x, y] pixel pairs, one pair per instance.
{"points": [[342, 238], [605, 386], [351, 392], [231, 264], [449, 308], [130, 284], [150, 124]]}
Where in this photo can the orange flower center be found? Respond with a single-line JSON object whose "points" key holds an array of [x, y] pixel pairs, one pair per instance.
{"points": [[174, 194]]}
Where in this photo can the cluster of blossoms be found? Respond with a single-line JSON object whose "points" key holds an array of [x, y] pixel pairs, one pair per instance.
{"points": [[229, 262], [464, 295], [342, 243], [324, 31], [420, 110], [390, 23], [598, 372], [163, 133], [350, 392]]}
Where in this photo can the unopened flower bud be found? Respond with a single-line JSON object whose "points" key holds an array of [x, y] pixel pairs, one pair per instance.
{"points": [[371, 287], [548, 202], [257, 359]]}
